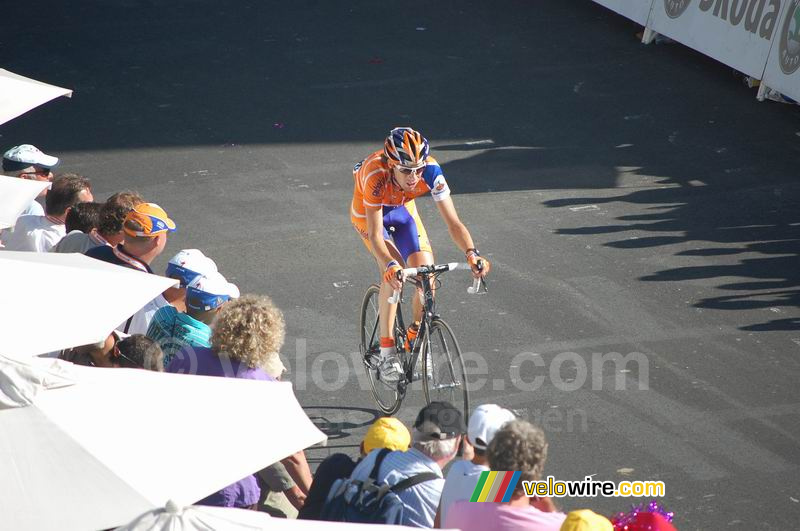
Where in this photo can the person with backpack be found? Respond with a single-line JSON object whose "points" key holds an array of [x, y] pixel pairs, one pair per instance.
{"points": [[401, 488], [385, 432]]}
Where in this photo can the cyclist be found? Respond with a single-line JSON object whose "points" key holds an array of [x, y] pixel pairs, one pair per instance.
{"points": [[386, 183]]}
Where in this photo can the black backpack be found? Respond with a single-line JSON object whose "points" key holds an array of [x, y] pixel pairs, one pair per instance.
{"points": [[356, 501]]}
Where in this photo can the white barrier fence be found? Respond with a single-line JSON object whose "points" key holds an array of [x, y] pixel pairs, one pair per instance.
{"points": [[760, 38], [782, 72]]}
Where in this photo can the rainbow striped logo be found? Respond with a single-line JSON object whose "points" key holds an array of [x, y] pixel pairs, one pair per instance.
{"points": [[495, 486]]}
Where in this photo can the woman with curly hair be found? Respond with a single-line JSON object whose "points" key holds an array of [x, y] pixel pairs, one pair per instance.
{"points": [[247, 335], [517, 446]]}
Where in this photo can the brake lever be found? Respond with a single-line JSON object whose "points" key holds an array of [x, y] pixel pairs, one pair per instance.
{"points": [[477, 283]]}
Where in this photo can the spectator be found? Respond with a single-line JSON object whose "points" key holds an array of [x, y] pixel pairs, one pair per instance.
{"points": [[83, 217], [247, 335], [27, 162], [42, 233], [127, 200], [81, 223], [146, 228], [205, 297], [647, 521], [138, 352], [437, 435], [386, 432], [109, 226], [185, 267], [93, 355], [463, 475], [280, 496], [517, 446], [586, 520]]}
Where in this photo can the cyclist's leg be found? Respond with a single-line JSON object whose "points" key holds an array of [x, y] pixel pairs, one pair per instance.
{"points": [[386, 311], [412, 242]]}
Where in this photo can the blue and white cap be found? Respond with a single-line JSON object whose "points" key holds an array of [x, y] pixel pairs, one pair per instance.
{"points": [[21, 157], [207, 292], [189, 264]]}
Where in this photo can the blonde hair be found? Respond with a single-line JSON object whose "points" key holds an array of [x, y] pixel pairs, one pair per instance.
{"points": [[250, 329]]}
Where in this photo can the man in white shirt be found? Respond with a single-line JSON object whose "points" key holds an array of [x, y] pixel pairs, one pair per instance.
{"points": [[463, 475], [521, 447], [42, 233], [81, 226], [109, 225], [27, 162]]}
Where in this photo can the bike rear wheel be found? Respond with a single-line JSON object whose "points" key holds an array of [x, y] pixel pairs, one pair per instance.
{"points": [[386, 395], [443, 361]]}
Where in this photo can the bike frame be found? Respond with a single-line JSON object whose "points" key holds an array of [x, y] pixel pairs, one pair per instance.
{"points": [[424, 282], [424, 279]]}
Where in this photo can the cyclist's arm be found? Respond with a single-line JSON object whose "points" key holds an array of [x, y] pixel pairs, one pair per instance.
{"points": [[458, 232], [375, 230]]}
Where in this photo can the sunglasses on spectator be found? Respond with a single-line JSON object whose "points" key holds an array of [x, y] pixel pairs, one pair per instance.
{"points": [[117, 353], [39, 171]]}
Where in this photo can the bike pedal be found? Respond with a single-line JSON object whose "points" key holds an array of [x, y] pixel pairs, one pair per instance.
{"points": [[372, 360]]}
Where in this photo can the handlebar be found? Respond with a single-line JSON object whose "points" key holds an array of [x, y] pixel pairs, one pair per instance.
{"points": [[404, 274]]}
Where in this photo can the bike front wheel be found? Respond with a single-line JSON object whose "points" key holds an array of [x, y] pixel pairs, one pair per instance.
{"points": [[444, 375], [386, 395]]}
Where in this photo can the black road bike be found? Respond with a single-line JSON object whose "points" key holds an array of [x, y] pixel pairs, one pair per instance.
{"points": [[435, 356]]}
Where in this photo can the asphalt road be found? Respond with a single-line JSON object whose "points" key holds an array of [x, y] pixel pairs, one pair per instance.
{"points": [[633, 199]]}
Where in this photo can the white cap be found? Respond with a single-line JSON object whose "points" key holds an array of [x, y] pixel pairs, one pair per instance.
{"points": [[484, 423], [188, 264], [29, 156], [207, 292]]}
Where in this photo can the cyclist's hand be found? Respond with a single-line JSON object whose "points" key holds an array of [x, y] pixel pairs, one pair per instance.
{"points": [[480, 265], [390, 275]]}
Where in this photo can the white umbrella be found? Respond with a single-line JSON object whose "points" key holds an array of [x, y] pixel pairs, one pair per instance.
{"points": [[19, 94], [175, 518], [16, 195], [53, 301], [96, 447]]}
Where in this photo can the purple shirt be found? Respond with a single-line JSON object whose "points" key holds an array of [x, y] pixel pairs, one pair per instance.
{"points": [[203, 361]]}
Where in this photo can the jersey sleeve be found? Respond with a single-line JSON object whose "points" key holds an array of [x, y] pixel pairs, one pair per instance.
{"points": [[373, 190], [435, 180]]}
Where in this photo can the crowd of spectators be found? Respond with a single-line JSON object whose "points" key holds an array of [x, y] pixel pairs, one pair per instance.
{"points": [[204, 326]]}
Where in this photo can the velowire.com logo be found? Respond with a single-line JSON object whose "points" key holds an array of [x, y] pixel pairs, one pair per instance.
{"points": [[789, 49], [675, 8]]}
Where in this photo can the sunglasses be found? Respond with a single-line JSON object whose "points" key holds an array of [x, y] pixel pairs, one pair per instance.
{"points": [[117, 354], [39, 171], [409, 171]]}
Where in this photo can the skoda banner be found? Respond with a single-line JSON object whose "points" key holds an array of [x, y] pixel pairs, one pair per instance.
{"points": [[735, 32], [783, 65], [636, 10]]}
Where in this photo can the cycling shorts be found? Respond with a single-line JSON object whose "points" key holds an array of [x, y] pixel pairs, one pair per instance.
{"points": [[402, 225]]}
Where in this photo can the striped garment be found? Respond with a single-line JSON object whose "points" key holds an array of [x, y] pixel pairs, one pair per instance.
{"points": [[174, 330], [421, 500]]}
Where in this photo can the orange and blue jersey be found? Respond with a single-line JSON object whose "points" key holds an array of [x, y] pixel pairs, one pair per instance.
{"points": [[374, 188]]}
